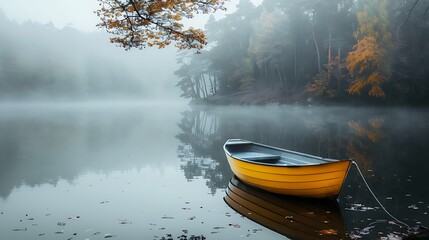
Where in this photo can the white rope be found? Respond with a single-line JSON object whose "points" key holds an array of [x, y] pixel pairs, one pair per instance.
{"points": [[381, 205]]}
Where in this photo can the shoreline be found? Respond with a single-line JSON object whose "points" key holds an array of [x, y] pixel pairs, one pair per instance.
{"points": [[279, 97]]}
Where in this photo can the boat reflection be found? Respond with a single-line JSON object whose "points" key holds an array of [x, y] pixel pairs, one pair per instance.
{"points": [[295, 218]]}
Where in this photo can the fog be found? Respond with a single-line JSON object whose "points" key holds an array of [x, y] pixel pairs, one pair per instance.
{"points": [[39, 62], [51, 55], [259, 52]]}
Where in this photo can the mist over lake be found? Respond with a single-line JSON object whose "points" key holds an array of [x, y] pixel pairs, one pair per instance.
{"points": [[146, 170], [42, 63]]}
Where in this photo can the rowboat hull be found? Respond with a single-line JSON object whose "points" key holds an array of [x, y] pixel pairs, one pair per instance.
{"points": [[321, 179]]}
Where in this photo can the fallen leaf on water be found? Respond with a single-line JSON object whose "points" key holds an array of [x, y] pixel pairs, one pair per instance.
{"points": [[218, 227], [234, 225], [391, 236], [413, 206], [354, 236], [19, 229], [125, 222], [366, 230], [328, 232]]}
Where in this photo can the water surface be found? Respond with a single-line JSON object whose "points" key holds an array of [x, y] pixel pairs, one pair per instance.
{"points": [[153, 171]]}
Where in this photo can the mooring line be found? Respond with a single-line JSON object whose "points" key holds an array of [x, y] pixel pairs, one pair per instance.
{"points": [[375, 197]]}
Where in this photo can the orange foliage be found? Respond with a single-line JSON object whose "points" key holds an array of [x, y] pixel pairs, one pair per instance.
{"points": [[368, 63], [142, 23]]}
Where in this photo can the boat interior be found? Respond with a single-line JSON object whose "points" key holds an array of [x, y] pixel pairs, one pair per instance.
{"points": [[262, 154]]}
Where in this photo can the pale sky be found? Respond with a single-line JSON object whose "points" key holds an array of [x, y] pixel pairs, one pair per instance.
{"points": [[75, 13]]}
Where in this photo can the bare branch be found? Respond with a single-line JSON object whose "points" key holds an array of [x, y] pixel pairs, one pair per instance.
{"points": [[424, 15], [409, 13]]}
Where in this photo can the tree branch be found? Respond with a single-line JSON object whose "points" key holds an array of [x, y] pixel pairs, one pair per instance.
{"points": [[409, 13], [167, 29], [424, 15]]}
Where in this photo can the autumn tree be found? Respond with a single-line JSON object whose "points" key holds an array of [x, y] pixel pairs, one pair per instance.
{"points": [[147, 23], [369, 62], [368, 47]]}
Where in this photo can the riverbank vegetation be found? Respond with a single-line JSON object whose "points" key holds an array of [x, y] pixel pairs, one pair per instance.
{"points": [[372, 51]]}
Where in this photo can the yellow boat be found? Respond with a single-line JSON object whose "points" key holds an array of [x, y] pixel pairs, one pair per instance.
{"points": [[295, 218], [286, 172]]}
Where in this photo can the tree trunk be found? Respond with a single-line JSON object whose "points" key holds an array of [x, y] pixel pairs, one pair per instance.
{"points": [[296, 64], [198, 87], [265, 73], [206, 94], [329, 59], [280, 77], [339, 69], [317, 51], [288, 87], [215, 83], [212, 90]]}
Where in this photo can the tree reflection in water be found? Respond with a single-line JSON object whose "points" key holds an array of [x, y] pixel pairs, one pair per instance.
{"points": [[199, 153]]}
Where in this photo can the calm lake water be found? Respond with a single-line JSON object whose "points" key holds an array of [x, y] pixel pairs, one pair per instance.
{"points": [[157, 171]]}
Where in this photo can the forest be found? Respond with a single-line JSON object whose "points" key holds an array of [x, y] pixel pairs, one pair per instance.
{"points": [[340, 51]]}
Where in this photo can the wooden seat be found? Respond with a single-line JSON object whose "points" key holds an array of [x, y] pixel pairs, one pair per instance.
{"points": [[256, 156]]}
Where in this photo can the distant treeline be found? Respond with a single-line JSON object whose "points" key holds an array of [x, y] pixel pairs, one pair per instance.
{"points": [[40, 61], [338, 50]]}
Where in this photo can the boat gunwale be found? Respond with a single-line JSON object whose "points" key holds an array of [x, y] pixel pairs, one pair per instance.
{"points": [[326, 160], [294, 174]]}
